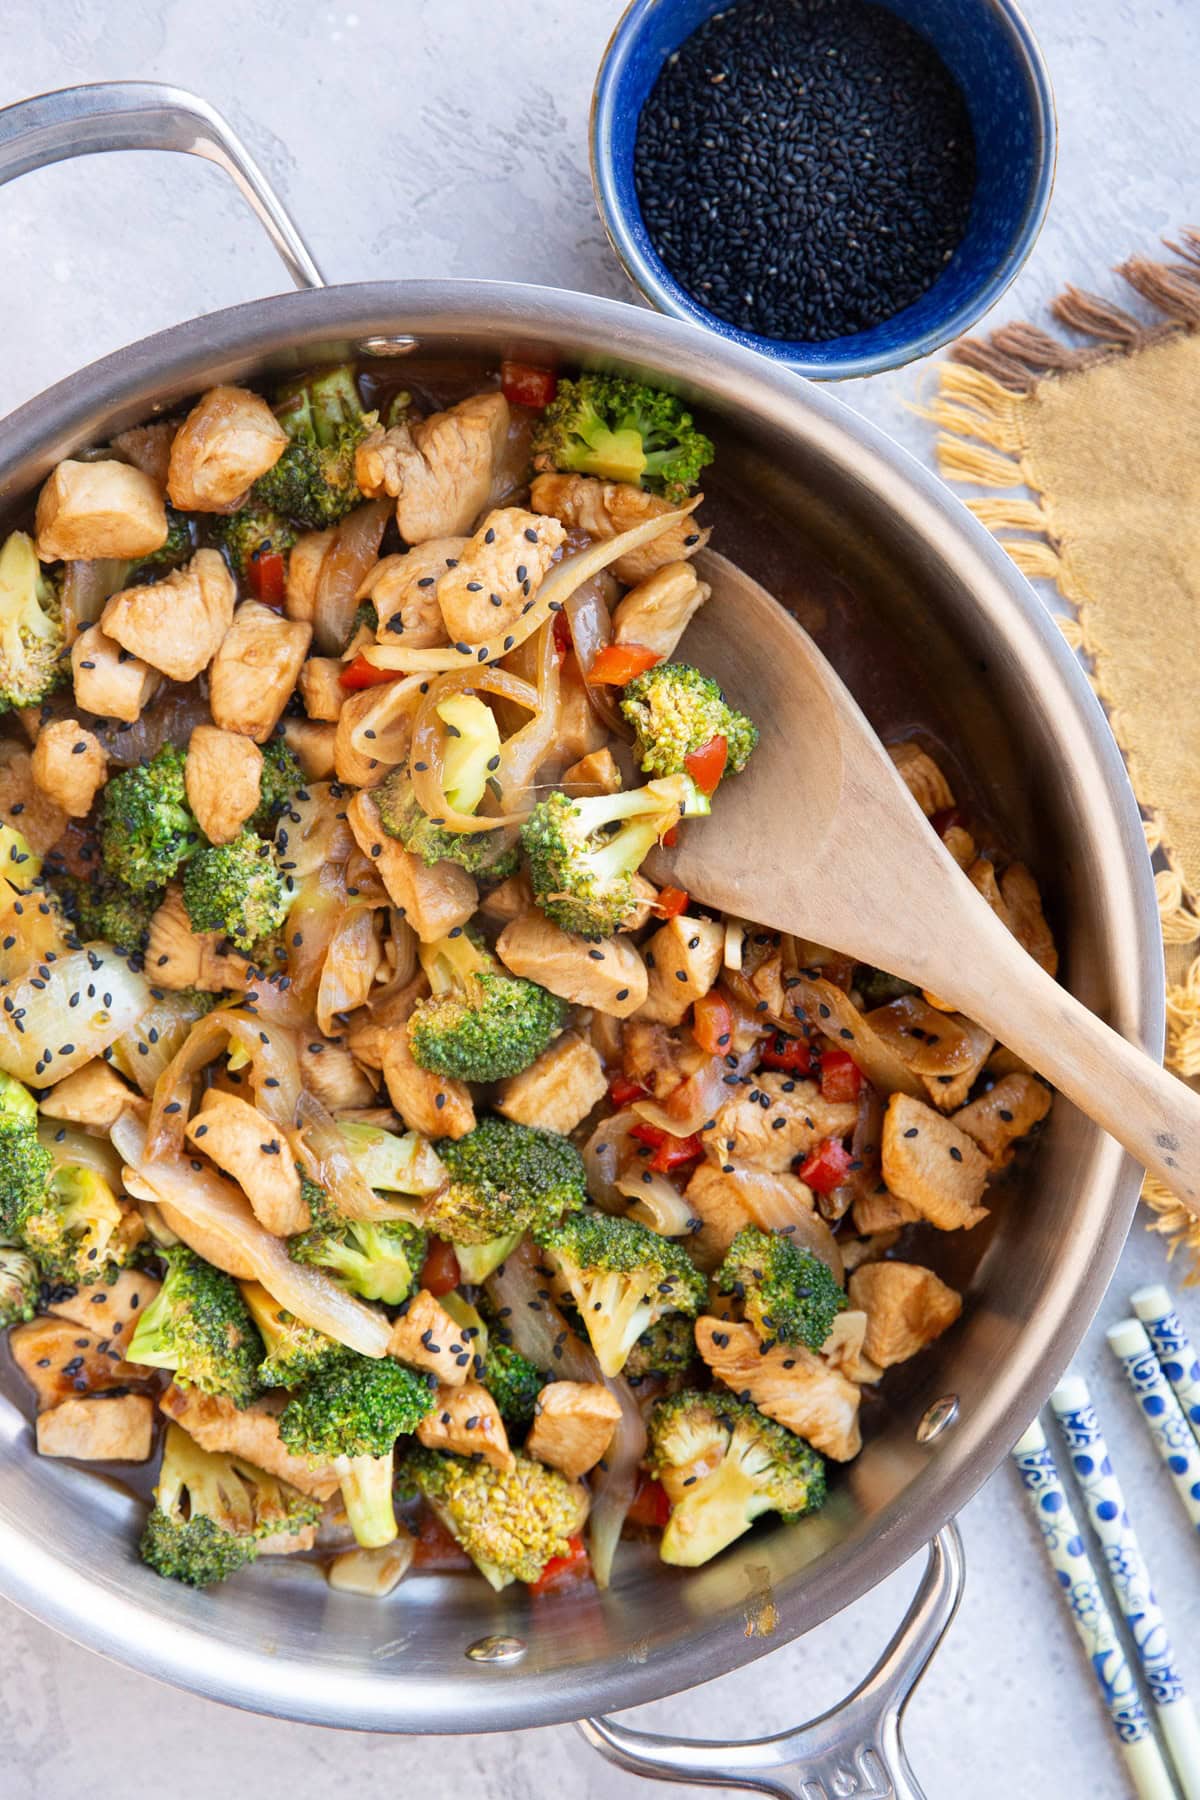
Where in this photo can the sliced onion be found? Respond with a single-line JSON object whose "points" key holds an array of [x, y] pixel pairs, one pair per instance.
{"points": [[312, 922], [349, 969], [170, 718], [354, 550], [551, 597], [690, 1106], [830, 1010], [429, 742], [656, 1203], [540, 1332], [143, 1052], [274, 1074], [929, 1041], [606, 1155], [522, 754], [326, 1153], [313, 831], [591, 629], [74, 1008], [85, 588], [195, 1198], [774, 1203], [72, 1147], [374, 729]]}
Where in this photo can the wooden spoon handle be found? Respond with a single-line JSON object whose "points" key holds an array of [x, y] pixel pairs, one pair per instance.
{"points": [[1153, 1114]]}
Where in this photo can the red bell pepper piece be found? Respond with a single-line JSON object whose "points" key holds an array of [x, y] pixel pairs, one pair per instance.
{"points": [[669, 1152], [669, 840], [440, 1271], [623, 1092], [712, 1023], [560, 1571], [266, 577], [363, 674], [841, 1077], [563, 641], [522, 384], [827, 1167], [707, 764], [618, 663], [650, 1504], [671, 900], [793, 1055]]}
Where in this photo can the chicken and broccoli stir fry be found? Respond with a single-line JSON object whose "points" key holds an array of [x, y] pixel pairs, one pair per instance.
{"points": [[380, 1147]]}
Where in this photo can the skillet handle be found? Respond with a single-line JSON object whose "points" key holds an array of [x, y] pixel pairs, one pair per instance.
{"points": [[146, 115], [852, 1752]]}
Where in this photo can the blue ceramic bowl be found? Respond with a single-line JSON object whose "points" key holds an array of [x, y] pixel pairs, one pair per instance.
{"points": [[991, 51]]}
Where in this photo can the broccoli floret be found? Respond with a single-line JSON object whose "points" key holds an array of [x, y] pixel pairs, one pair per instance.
{"points": [[513, 1382], [789, 1295], [877, 988], [511, 1521], [199, 1326], [379, 1259], [32, 643], [622, 1277], [485, 853], [583, 853], [99, 906], [675, 710], [479, 1023], [352, 1410], [178, 549], [392, 1164], [762, 1468], [281, 777], [313, 482], [294, 1350], [237, 889], [24, 1163], [504, 1177], [211, 1512], [146, 826], [20, 1280], [666, 1350], [249, 533], [622, 430], [79, 1234]]}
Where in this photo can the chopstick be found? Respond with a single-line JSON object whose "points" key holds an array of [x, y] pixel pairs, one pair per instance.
{"points": [[1160, 1410], [1082, 1595], [1172, 1347], [1128, 1576]]}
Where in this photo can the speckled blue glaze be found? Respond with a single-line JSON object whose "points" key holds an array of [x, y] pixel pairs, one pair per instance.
{"points": [[987, 46]]}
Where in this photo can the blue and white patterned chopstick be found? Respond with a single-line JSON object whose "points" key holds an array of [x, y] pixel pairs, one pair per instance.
{"points": [[1129, 1577], [1161, 1411], [1173, 1348], [1085, 1601]]}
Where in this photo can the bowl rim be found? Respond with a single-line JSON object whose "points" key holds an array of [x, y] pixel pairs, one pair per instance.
{"points": [[651, 279], [95, 1605]]}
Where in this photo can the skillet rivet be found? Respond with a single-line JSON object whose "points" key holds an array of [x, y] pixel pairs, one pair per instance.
{"points": [[497, 1649], [938, 1418], [398, 345]]}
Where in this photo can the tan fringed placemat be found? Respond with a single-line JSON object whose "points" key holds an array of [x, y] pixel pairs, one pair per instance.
{"points": [[1099, 445]]}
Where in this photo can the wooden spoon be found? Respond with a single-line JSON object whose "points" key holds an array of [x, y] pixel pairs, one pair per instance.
{"points": [[820, 837]]}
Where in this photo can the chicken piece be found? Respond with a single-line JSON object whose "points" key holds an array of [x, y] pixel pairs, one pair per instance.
{"points": [[715, 1197], [579, 728], [605, 509], [436, 1105], [660, 608], [312, 745], [466, 1420], [178, 957], [844, 1351], [94, 1095], [907, 1306], [255, 670], [496, 573], [558, 1090], [922, 777], [23, 804], [595, 773], [404, 592], [606, 973], [176, 624], [223, 779], [69, 765], [425, 1335], [320, 684], [933, 1165], [573, 1425], [249, 1148], [227, 441], [881, 1211], [733, 1194], [108, 681], [513, 897], [949, 1091], [109, 1309], [251, 1433], [120, 1429], [683, 959], [94, 509], [439, 471], [788, 1383], [776, 1119], [434, 900], [148, 448], [1026, 920], [304, 564], [961, 845], [352, 764], [61, 1360], [328, 1070], [998, 1118], [858, 1251], [651, 1056]]}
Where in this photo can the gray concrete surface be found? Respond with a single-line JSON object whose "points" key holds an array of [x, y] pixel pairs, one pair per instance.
{"points": [[412, 139]]}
